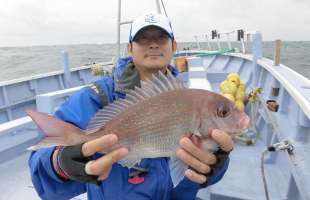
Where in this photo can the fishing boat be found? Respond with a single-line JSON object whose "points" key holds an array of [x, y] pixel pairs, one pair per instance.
{"points": [[269, 162]]}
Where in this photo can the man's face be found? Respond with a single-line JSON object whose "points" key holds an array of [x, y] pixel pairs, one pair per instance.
{"points": [[152, 48]]}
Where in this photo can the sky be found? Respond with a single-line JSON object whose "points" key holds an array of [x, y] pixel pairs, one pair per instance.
{"points": [[54, 22]]}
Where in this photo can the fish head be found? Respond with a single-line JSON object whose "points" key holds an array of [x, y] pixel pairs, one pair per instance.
{"points": [[221, 113]]}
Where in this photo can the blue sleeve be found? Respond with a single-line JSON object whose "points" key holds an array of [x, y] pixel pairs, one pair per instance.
{"points": [[79, 109], [45, 181], [188, 190]]}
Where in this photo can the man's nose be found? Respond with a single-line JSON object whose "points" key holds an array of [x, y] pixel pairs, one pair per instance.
{"points": [[153, 43]]}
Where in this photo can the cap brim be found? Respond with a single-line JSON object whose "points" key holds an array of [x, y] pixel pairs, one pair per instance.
{"points": [[150, 25]]}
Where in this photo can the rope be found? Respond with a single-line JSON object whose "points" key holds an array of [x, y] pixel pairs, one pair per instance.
{"points": [[280, 146], [263, 174], [283, 145], [215, 53]]}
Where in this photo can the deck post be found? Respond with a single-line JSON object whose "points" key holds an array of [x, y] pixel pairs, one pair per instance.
{"points": [[197, 42], [158, 7], [218, 43], [277, 49], [118, 30], [257, 54], [67, 72], [209, 47], [228, 40]]}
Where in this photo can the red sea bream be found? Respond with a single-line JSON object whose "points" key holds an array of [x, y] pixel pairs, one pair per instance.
{"points": [[151, 120]]}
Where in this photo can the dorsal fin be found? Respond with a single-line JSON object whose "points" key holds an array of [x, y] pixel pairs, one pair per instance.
{"points": [[154, 87], [137, 94], [165, 80], [106, 114], [142, 92], [159, 84], [174, 82], [126, 102], [147, 87]]}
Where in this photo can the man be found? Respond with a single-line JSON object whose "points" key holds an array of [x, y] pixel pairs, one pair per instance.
{"points": [[65, 172]]}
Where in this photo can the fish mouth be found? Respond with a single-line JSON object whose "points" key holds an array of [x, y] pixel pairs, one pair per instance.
{"points": [[244, 123]]}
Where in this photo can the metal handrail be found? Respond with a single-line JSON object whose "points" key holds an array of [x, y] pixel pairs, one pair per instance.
{"points": [[248, 35], [14, 125]]}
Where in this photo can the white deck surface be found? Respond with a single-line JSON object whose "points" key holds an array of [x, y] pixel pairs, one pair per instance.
{"points": [[17, 184]]}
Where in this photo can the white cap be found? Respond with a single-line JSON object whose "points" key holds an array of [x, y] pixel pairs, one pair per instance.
{"points": [[151, 19]]}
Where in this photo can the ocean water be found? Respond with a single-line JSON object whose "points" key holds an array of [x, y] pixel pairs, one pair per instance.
{"points": [[18, 62]]}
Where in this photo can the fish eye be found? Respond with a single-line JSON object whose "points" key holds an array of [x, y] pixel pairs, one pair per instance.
{"points": [[222, 111]]}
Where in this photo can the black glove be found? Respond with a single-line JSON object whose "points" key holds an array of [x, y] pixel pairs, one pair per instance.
{"points": [[71, 161]]}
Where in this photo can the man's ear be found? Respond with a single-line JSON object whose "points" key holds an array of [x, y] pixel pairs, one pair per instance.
{"points": [[129, 49], [174, 46]]}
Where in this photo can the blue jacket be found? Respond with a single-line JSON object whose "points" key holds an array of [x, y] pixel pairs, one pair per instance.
{"points": [[157, 182]]}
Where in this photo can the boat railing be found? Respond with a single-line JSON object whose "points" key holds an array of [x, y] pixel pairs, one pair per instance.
{"points": [[53, 73], [49, 102], [12, 104], [217, 35], [14, 125], [16, 136], [19, 134]]}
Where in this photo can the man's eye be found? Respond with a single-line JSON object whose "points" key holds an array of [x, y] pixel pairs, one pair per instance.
{"points": [[142, 38], [163, 36]]}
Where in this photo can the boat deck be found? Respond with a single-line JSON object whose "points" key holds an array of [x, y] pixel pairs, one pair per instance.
{"points": [[15, 176], [245, 166], [243, 179], [17, 184]]}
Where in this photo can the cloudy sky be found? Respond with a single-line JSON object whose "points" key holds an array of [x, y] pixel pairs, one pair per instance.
{"points": [[50, 22]]}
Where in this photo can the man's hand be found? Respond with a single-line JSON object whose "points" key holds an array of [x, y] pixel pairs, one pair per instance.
{"points": [[75, 161], [103, 165], [192, 154]]}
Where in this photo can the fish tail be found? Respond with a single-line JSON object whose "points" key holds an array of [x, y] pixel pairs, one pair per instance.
{"points": [[56, 132], [48, 142]]}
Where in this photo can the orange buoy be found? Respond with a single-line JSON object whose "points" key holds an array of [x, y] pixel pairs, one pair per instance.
{"points": [[181, 64]]}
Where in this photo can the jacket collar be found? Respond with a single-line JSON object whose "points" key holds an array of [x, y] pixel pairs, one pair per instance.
{"points": [[130, 78]]}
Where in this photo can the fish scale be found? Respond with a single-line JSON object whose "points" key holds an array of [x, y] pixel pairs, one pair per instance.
{"points": [[163, 124], [156, 133], [157, 130], [134, 121], [154, 141]]}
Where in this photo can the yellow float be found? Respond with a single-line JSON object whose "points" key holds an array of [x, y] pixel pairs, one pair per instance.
{"points": [[234, 89]]}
